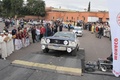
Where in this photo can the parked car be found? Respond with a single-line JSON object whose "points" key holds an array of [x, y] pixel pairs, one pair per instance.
{"points": [[78, 31], [61, 41], [34, 23]]}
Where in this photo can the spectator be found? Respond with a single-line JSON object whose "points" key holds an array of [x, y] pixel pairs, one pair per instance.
{"points": [[5, 30], [19, 28], [69, 26], [37, 34], [48, 30], [92, 28], [33, 32], [100, 32], [61, 26], [42, 31], [7, 22], [14, 31], [22, 23]]}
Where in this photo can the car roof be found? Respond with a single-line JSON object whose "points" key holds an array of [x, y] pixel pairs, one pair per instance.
{"points": [[77, 27], [65, 32]]}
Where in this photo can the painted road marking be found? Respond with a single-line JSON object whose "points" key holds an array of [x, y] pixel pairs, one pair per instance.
{"points": [[26, 63], [69, 70], [59, 69]]}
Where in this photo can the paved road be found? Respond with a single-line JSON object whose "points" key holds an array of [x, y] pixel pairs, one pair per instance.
{"points": [[10, 71], [94, 48]]}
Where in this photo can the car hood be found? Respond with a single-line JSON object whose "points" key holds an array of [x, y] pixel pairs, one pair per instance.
{"points": [[77, 31], [61, 38]]}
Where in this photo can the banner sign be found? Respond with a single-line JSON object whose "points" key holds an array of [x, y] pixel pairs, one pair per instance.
{"points": [[114, 15]]}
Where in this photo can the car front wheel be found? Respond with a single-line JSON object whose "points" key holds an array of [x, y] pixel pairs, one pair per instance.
{"points": [[46, 50], [74, 52]]}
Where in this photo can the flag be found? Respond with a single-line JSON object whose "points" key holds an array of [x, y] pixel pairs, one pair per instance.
{"points": [[114, 14]]}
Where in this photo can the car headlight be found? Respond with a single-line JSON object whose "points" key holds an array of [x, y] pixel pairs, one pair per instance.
{"points": [[69, 50], [43, 46], [65, 42], [73, 43], [48, 40], [43, 41]]}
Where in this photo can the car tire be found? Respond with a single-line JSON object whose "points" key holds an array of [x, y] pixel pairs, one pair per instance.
{"points": [[77, 48], [74, 52], [46, 50], [82, 35], [103, 68]]}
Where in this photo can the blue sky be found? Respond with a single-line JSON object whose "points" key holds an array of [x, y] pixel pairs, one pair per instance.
{"points": [[79, 5]]}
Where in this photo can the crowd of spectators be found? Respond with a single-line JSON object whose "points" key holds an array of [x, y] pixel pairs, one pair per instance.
{"points": [[22, 35], [100, 29]]}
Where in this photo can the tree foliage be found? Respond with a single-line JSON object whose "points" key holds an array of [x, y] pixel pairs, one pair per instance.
{"points": [[1, 8], [17, 7], [89, 6], [36, 7]]}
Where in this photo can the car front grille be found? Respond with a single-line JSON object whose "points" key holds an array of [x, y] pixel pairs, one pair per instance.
{"points": [[55, 41], [76, 32]]}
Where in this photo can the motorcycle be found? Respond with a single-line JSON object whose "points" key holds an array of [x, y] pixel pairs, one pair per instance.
{"points": [[104, 65]]}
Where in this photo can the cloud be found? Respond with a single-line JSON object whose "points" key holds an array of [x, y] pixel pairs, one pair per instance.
{"points": [[78, 4]]}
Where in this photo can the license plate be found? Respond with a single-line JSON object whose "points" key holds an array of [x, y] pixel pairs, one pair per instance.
{"points": [[56, 45]]}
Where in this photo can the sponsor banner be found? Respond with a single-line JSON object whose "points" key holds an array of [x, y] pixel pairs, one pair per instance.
{"points": [[114, 14]]}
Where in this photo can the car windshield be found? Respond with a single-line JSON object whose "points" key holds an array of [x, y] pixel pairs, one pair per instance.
{"points": [[34, 21], [77, 28], [65, 35]]}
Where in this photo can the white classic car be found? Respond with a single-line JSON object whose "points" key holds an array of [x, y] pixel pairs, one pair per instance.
{"points": [[61, 41], [78, 31], [34, 23]]}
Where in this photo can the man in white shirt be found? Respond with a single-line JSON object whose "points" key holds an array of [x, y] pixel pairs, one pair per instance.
{"points": [[38, 34]]}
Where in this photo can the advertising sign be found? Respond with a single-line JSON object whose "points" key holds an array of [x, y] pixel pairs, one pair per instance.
{"points": [[114, 14]]}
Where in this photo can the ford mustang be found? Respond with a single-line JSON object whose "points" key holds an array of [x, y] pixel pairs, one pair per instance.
{"points": [[61, 41]]}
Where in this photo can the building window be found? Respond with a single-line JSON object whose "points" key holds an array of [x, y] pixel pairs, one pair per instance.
{"points": [[67, 18], [72, 18], [53, 17], [107, 19], [100, 19]]}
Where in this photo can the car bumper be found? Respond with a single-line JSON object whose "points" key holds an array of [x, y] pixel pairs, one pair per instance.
{"points": [[79, 34], [58, 47]]}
